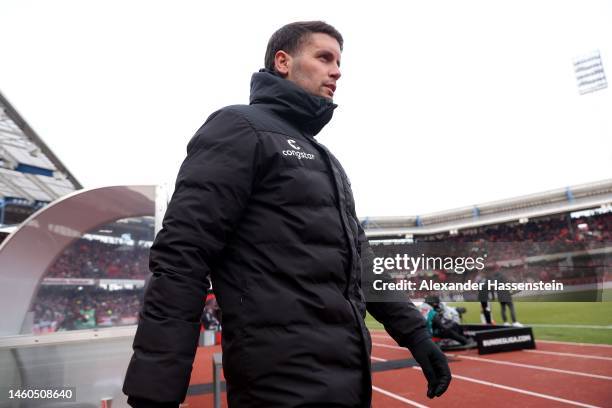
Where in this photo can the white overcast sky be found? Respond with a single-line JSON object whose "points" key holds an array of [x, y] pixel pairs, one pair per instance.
{"points": [[442, 104]]}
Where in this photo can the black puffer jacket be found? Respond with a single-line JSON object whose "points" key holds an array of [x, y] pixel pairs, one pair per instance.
{"points": [[267, 213]]}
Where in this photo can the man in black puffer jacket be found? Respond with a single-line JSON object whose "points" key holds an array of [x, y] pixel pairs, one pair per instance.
{"points": [[267, 213]]}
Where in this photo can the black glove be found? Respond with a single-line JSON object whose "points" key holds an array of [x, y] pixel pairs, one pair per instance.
{"points": [[137, 402], [434, 365]]}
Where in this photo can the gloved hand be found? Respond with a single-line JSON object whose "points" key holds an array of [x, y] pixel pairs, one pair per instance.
{"points": [[434, 365]]}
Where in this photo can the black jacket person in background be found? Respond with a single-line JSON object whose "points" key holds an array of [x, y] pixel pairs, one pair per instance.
{"points": [[267, 213]]}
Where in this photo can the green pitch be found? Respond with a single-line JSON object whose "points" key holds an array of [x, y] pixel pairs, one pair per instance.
{"points": [[573, 316]]}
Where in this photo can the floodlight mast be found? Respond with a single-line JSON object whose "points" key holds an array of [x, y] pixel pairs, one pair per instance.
{"points": [[590, 75]]}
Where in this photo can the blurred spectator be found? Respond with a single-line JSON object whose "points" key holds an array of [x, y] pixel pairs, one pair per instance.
{"points": [[211, 317], [60, 308], [554, 247], [95, 259]]}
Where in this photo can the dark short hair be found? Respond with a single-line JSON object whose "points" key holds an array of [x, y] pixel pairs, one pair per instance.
{"points": [[291, 37]]}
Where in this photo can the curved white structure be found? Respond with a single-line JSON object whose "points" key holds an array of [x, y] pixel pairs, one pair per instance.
{"points": [[26, 254]]}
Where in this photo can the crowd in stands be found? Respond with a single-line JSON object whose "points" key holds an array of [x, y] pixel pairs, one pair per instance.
{"points": [[64, 308], [548, 235], [58, 308], [68, 308], [553, 248], [95, 259], [516, 241]]}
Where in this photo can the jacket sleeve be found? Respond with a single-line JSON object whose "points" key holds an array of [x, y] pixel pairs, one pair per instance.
{"points": [[401, 319], [212, 188]]}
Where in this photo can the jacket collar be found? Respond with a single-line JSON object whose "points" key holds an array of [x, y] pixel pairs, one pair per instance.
{"points": [[309, 112]]}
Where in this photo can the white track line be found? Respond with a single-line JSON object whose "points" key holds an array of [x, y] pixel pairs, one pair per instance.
{"points": [[555, 353], [383, 334], [387, 337], [569, 343], [392, 395], [490, 384], [535, 367], [389, 346], [571, 326], [521, 391], [378, 336], [397, 397]]}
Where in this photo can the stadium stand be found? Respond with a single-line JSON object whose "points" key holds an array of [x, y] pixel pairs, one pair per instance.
{"points": [[31, 176], [97, 281], [113, 256], [63, 308], [596, 196], [571, 248], [92, 258], [93, 282]]}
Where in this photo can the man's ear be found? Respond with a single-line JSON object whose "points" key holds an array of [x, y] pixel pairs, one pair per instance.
{"points": [[282, 62]]}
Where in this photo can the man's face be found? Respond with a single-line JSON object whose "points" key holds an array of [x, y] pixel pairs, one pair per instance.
{"points": [[316, 65]]}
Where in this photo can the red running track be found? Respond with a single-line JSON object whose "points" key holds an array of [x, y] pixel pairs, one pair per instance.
{"points": [[554, 375]]}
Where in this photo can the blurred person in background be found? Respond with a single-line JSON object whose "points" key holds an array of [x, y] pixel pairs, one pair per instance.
{"points": [[505, 300]]}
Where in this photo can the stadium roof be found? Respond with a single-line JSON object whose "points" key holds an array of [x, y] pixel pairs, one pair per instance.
{"points": [[30, 173], [563, 200]]}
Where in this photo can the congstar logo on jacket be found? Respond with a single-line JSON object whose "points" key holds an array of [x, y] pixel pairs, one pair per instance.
{"points": [[296, 151]]}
